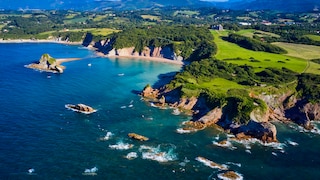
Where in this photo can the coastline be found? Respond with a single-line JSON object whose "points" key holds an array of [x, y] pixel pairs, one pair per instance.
{"points": [[38, 41], [156, 59], [63, 60]]}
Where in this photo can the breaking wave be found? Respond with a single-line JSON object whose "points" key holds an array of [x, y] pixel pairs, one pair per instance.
{"points": [[131, 155], [90, 172], [121, 146], [211, 164], [107, 136], [161, 153]]}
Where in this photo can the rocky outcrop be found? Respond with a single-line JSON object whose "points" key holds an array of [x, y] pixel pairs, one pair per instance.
{"points": [[138, 137], [105, 46], [48, 64], [230, 175], [149, 92], [266, 132], [81, 108], [259, 115], [312, 111]]}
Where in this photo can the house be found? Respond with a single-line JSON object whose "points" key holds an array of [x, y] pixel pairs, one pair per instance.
{"points": [[217, 27]]}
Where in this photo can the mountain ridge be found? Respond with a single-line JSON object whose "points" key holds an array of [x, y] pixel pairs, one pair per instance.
{"points": [[280, 5]]}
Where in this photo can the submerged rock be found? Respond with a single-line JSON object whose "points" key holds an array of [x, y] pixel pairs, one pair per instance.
{"points": [[138, 137]]}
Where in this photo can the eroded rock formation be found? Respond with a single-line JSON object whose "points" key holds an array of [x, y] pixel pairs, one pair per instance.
{"points": [[48, 64], [138, 137], [81, 108]]}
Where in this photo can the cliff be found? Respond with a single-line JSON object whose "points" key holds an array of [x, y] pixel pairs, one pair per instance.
{"points": [[106, 47], [284, 107]]}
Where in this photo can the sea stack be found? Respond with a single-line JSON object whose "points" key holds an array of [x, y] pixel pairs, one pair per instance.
{"points": [[48, 64]]}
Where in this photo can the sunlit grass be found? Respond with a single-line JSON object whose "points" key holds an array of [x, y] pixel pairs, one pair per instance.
{"points": [[221, 85], [151, 17], [251, 32], [235, 54], [313, 37], [300, 50]]}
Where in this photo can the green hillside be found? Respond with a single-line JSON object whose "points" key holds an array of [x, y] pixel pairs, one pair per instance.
{"points": [[235, 54]]}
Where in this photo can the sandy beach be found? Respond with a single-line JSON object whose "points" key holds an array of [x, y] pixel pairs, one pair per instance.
{"points": [[157, 59], [63, 60]]}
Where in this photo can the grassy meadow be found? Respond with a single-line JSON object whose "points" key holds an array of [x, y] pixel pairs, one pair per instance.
{"points": [[235, 54], [151, 17], [251, 32], [300, 50], [221, 85], [313, 37]]}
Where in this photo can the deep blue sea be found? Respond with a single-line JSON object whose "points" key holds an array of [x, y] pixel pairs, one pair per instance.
{"points": [[41, 139]]}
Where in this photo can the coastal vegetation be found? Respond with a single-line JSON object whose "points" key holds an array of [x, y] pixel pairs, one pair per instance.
{"points": [[190, 42], [231, 68], [232, 53]]}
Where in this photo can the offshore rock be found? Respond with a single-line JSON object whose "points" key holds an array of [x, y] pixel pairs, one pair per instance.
{"points": [[81, 108], [48, 64], [138, 137], [230, 175]]}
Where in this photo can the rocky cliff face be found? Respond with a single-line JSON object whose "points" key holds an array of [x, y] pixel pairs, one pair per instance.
{"points": [[284, 107], [258, 127], [106, 47]]}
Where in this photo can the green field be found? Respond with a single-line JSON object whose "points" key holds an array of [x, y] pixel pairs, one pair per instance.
{"points": [[235, 54], [151, 17], [94, 31], [75, 20], [71, 16], [300, 50], [313, 68], [98, 18], [251, 32], [221, 85], [313, 37]]}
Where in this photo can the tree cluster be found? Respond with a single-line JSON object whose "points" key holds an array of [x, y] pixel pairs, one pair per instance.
{"points": [[190, 42]]}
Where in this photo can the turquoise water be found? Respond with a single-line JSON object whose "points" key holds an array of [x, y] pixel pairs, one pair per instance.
{"points": [[37, 132]]}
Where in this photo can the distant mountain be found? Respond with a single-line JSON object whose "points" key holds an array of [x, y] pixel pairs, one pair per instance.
{"points": [[280, 5], [99, 4]]}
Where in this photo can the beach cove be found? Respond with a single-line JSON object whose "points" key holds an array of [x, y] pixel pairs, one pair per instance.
{"points": [[38, 132]]}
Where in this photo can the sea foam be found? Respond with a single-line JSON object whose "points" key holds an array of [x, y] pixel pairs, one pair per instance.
{"points": [[121, 146], [131, 155], [90, 172], [161, 153], [211, 164], [107, 136]]}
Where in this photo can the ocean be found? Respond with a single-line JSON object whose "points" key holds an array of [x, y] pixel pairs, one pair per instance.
{"points": [[41, 139]]}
